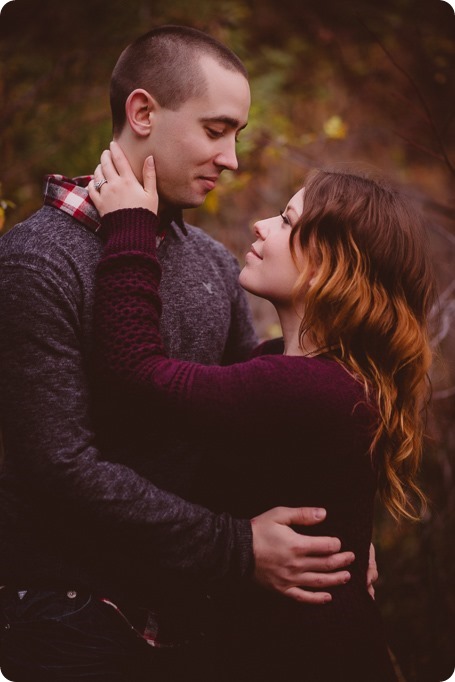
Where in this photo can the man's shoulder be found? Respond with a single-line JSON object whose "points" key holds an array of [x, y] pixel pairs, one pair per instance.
{"points": [[53, 247], [49, 235]]}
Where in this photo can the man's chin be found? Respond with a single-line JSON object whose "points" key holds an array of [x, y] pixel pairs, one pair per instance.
{"points": [[193, 202], [197, 199]]}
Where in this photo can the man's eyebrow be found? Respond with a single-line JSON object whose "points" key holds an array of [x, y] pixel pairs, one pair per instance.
{"points": [[233, 123]]}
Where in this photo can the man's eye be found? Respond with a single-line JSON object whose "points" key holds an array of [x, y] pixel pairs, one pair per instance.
{"points": [[212, 132]]}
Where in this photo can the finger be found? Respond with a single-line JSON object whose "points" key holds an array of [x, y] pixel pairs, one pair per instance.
{"points": [[108, 169], [308, 546], [372, 575], [324, 580], [305, 597], [120, 161], [98, 174], [149, 175], [371, 591], [306, 516], [94, 194], [372, 556], [372, 571], [326, 564]]}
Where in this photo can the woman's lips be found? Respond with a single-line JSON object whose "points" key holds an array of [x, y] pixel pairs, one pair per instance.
{"points": [[255, 253]]}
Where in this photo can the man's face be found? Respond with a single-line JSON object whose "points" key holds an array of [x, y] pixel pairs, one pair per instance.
{"points": [[194, 144]]}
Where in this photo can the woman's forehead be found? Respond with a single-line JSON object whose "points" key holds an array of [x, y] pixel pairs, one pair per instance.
{"points": [[295, 203]]}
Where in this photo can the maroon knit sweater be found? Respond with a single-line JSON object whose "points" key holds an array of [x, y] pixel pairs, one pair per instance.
{"points": [[280, 430]]}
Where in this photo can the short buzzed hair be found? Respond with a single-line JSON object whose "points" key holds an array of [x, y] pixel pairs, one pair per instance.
{"points": [[166, 63]]}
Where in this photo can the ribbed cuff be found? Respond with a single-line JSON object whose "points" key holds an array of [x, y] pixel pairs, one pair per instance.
{"points": [[129, 229], [245, 547]]}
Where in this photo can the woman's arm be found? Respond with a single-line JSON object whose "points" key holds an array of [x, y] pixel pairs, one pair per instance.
{"points": [[130, 348], [127, 323], [127, 312]]}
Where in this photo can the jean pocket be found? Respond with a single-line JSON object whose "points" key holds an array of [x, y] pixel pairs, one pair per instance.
{"points": [[31, 605], [64, 635]]}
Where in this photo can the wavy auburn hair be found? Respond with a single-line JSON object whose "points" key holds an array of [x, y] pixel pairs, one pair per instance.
{"points": [[367, 308]]}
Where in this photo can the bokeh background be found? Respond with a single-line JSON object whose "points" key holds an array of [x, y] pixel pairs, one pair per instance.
{"points": [[353, 84]]}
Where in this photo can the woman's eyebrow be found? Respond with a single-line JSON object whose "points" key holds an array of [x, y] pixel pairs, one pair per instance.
{"points": [[289, 209]]}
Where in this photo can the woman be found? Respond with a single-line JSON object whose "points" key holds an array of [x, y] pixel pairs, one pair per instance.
{"points": [[329, 415]]}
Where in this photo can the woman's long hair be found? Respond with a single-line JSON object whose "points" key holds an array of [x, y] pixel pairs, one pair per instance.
{"points": [[367, 307]]}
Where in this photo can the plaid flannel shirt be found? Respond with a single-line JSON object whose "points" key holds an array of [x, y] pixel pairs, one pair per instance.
{"points": [[71, 196]]}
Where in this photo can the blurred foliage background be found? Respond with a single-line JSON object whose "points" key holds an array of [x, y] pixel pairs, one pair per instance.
{"points": [[359, 84]]}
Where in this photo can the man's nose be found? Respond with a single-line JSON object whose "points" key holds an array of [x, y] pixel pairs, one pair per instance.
{"points": [[227, 156]]}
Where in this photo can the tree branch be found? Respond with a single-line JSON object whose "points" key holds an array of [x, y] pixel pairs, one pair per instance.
{"points": [[420, 97]]}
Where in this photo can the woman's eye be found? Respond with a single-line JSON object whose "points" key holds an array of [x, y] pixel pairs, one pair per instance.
{"points": [[285, 218]]}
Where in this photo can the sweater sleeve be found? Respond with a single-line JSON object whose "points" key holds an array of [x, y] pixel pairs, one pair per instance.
{"points": [[50, 446], [127, 314]]}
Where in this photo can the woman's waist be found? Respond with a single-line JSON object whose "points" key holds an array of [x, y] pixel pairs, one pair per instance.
{"points": [[254, 608]]}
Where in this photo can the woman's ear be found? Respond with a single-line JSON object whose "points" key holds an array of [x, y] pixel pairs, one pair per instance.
{"points": [[140, 108], [314, 264], [313, 277]]}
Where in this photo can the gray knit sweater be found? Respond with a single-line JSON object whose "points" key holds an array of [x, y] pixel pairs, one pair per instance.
{"points": [[68, 509]]}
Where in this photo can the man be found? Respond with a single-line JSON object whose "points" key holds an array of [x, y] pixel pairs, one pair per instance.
{"points": [[93, 525]]}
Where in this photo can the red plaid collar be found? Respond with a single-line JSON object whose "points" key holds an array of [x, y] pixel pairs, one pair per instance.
{"points": [[71, 196]]}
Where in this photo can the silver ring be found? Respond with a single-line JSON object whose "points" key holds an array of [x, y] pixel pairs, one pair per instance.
{"points": [[99, 184]]}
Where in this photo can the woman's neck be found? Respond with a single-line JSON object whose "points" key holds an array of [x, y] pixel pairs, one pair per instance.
{"points": [[293, 343]]}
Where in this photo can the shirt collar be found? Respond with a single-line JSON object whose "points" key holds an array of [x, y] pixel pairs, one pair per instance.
{"points": [[71, 196]]}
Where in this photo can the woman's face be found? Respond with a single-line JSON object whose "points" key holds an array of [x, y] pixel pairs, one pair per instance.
{"points": [[270, 271]]}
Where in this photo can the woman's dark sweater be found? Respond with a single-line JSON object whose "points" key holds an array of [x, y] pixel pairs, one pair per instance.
{"points": [[284, 430]]}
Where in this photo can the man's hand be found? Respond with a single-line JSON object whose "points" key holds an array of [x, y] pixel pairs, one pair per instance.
{"points": [[288, 562]]}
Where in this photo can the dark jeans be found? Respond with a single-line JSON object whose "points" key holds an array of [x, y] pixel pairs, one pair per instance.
{"points": [[63, 636]]}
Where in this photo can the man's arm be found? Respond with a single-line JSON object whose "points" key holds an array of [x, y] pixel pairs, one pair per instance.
{"points": [[50, 445]]}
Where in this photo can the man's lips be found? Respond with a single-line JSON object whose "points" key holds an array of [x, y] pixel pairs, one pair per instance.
{"points": [[209, 181]]}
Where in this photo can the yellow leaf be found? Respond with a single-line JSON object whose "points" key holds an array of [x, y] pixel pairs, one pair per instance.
{"points": [[335, 128], [211, 203], [2, 218], [274, 331]]}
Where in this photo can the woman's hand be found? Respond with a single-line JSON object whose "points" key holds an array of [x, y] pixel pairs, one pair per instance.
{"points": [[122, 189], [372, 572]]}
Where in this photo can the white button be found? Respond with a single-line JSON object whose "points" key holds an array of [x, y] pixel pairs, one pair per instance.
{"points": [[71, 594]]}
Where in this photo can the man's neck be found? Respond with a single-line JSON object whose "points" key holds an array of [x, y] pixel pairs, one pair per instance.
{"points": [[131, 150]]}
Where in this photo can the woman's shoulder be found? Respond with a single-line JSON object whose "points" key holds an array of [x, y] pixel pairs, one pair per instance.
{"points": [[319, 382], [269, 347]]}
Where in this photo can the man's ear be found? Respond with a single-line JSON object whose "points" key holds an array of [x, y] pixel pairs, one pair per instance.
{"points": [[140, 108]]}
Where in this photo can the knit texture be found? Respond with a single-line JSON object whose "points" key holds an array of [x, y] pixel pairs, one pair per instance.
{"points": [[278, 430], [81, 499]]}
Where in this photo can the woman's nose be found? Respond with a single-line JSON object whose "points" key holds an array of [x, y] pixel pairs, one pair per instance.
{"points": [[260, 229]]}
